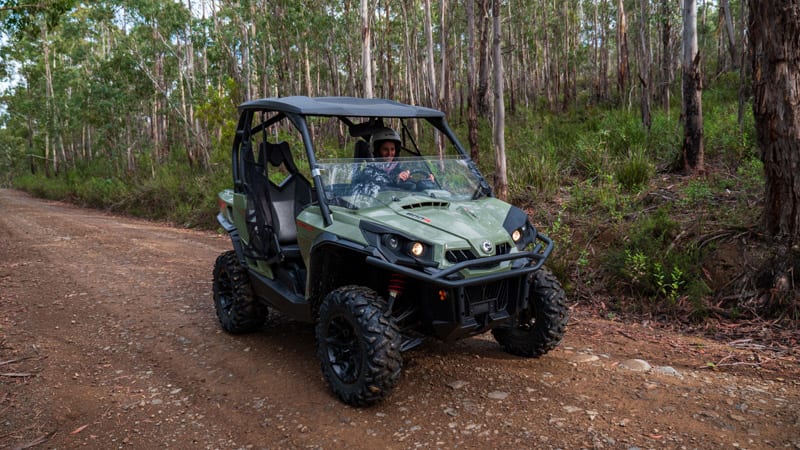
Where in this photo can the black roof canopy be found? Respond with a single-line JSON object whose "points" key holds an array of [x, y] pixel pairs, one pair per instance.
{"points": [[340, 106]]}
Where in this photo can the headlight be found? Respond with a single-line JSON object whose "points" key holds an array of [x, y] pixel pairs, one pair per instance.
{"points": [[523, 236], [402, 246], [392, 241], [398, 247]]}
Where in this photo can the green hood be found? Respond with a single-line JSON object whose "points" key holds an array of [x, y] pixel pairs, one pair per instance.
{"points": [[453, 224]]}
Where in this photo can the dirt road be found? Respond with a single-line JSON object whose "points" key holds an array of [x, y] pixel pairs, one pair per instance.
{"points": [[108, 339]]}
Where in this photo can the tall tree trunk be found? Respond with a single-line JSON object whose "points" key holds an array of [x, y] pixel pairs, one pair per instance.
{"points": [[596, 52], [307, 69], [666, 58], [411, 86], [547, 70], [622, 51], [431, 67], [644, 63], [500, 173], [775, 53], [444, 88], [744, 86], [49, 102], [389, 57], [472, 94], [692, 93], [604, 53], [725, 8], [484, 105], [366, 49]]}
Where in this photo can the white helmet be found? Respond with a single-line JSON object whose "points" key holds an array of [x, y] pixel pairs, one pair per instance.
{"points": [[384, 134]]}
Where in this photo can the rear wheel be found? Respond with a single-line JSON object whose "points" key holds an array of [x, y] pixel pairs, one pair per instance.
{"points": [[540, 327], [358, 344], [238, 312]]}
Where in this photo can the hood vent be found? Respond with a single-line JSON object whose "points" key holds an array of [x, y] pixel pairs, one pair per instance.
{"points": [[427, 204]]}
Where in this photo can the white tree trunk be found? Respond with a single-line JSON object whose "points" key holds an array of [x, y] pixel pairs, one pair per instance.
{"points": [[500, 175], [366, 50]]}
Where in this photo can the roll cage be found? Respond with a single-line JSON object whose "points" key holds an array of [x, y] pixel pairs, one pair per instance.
{"points": [[372, 112]]}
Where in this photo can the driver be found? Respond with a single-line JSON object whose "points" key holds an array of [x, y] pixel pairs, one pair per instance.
{"points": [[385, 146]]}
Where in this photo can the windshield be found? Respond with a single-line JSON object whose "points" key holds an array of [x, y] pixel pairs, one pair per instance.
{"points": [[357, 184]]}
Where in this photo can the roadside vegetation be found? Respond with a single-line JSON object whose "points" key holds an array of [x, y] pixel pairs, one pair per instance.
{"points": [[633, 235]]}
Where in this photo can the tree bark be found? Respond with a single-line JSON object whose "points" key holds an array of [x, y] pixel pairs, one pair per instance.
{"points": [[666, 58], [444, 88], [622, 50], [693, 153], [366, 49], [432, 100], [775, 53], [484, 106], [472, 92], [725, 8], [500, 175], [644, 64]]}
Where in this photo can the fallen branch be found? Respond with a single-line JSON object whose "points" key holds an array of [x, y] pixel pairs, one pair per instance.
{"points": [[11, 361], [35, 442], [740, 363], [627, 335], [17, 374]]}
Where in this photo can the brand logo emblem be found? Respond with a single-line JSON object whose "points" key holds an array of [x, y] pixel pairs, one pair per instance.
{"points": [[487, 247]]}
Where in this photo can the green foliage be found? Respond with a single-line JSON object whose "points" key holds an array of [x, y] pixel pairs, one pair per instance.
{"points": [[723, 137], [561, 234], [652, 266], [599, 196], [750, 175], [634, 172], [697, 191]]}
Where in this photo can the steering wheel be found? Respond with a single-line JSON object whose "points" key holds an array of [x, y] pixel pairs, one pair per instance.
{"points": [[423, 179]]}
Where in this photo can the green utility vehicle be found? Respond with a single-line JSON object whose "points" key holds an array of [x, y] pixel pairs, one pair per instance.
{"points": [[377, 264]]}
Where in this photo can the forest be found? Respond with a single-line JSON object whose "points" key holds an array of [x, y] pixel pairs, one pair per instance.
{"points": [[656, 141]]}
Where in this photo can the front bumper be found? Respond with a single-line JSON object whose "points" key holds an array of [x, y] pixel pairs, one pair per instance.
{"points": [[452, 305], [522, 263]]}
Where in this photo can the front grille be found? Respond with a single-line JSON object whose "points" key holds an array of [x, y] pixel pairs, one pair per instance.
{"points": [[489, 298], [502, 248], [458, 256]]}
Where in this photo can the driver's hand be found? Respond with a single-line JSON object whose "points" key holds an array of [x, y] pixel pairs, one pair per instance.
{"points": [[403, 176]]}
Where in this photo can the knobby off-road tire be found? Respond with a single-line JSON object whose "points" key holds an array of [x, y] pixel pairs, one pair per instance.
{"points": [[238, 312], [541, 326], [358, 344]]}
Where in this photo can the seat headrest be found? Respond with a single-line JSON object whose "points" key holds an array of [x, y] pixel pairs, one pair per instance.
{"points": [[279, 153], [361, 150]]}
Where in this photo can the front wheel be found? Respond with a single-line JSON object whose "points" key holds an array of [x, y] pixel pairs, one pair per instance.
{"points": [[358, 344], [238, 312], [540, 327]]}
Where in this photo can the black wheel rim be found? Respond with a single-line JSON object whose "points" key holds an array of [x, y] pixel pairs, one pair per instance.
{"points": [[342, 350]]}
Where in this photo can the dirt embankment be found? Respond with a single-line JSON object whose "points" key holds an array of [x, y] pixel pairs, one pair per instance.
{"points": [[108, 339]]}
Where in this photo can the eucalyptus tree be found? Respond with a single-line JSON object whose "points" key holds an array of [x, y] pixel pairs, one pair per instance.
{"points": [[472, 91], [499, 125], [366, 48], [644, 57], [622, 50], [775, 53], [693, 153]]}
